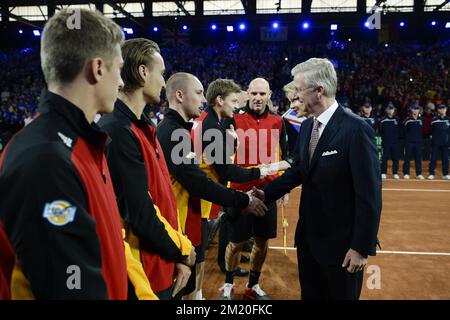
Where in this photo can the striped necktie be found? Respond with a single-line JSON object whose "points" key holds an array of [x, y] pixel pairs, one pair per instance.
{"points": [[315, 135]]}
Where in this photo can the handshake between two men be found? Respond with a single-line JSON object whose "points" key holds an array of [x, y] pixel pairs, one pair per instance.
{"points": [[256, 204]]}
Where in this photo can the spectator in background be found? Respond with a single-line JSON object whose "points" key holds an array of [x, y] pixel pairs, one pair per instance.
{"points": [[413, 126], [365, 112], [390, 135], [440, 141]]}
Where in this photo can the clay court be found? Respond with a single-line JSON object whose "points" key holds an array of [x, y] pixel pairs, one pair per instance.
{"points": [[414, 261]]}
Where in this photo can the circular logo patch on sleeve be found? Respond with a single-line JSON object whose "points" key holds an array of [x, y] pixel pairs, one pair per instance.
{"points": [[59, 212]]}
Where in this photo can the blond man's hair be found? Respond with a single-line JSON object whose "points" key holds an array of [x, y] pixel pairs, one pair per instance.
{"points": [[65, 50], [220, 87], [136, 52]]}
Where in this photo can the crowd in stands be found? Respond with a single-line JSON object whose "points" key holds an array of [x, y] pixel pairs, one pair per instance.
{"points": [[403, 74]]}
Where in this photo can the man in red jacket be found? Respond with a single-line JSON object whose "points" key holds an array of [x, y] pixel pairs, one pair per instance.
{"points": [[60, 229], [262, 140], [140, 175]]}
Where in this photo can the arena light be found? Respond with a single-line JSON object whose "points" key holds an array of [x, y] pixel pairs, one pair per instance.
{"points": [[213, 27], [275, 25], [242, 26], [20, 31], [36, 33], [433, 23], [447, 25], [155, 29], [402, 24], [305, 25], [333, 27], [185, 27], [366, 24], [230, 28], [128, 30], [349, 39], [386, 45]]}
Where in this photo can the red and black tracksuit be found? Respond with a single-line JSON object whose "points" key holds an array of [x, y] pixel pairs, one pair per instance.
{"points": [[144, 194], [58, 209], [262, 139], [190, 183], [265, 125]]}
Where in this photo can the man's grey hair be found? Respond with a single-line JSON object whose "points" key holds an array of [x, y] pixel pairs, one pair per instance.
{"points": [[318, 72]]}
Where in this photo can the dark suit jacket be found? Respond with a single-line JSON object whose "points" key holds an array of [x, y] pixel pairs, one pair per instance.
{"points": [[340, 204]]}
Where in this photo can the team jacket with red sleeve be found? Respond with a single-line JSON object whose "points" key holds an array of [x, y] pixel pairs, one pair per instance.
{"points": [[189, 182], [217, 162], [144, 194], [58, 211], [259, 136]]}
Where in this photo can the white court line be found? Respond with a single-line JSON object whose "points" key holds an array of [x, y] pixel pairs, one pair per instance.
{"points": [[416, 190], [412, 190], [385, 252], [415, 180]]}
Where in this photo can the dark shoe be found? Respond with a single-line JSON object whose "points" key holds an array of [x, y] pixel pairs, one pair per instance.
{"points": [[241, 272], [245, 259], [248, 247]]}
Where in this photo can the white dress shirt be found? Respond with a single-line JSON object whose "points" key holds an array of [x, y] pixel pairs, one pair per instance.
{"points": [[325, 117]]}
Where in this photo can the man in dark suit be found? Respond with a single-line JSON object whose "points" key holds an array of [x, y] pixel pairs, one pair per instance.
{"points": [[336, 164]]}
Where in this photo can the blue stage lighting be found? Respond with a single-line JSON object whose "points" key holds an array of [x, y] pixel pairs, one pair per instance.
{"points": [[213, 27], [128, 30]]}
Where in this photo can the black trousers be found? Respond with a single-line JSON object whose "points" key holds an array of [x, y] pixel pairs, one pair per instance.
{"points": [[413, 150], [326, 282]]}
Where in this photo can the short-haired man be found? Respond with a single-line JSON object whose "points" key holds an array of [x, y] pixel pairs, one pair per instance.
{"points": [[339, 171], [390, 140], [262, 139], [60, 229], [140, 175], [186, 96], [222, 98], [413, 126], [440, 141], [365, 112]]}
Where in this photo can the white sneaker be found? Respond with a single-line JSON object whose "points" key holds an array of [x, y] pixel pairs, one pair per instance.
{"points": [[255, 293], [396, 177], [420, 177], [430, 177], [383, 176], [406, 176], [199, 295], [447, 177], [227, 290]]}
